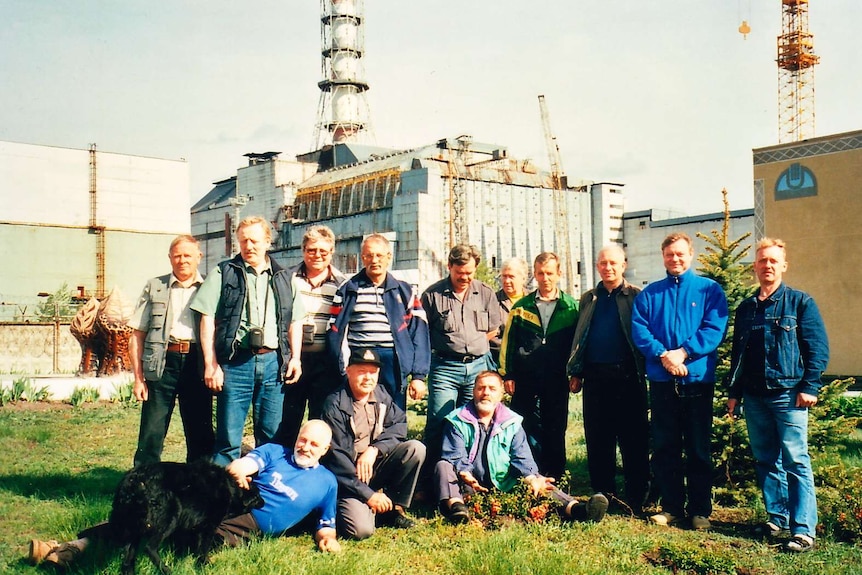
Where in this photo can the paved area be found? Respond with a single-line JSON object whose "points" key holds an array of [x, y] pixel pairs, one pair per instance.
{"points": [[62, 386]]}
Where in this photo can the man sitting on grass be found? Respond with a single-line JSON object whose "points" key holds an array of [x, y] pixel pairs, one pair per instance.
{"points": [[485, 447], [292, 485]]}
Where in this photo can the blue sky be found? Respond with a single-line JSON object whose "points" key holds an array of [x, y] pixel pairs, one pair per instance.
{"points": [[665, 97]]}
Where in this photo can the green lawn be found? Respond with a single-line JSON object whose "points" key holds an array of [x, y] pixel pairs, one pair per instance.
{"points": [[60, 465]]}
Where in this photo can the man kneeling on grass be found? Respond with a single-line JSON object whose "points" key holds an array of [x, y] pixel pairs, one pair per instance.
{"points": [[485, 447], [292, 485]]}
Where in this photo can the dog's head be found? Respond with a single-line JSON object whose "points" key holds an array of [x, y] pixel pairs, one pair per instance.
{"points": [[244, 500]]}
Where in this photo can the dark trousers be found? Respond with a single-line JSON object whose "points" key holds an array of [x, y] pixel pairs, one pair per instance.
{"points": [[544, 405], [682, 423], [319, 378], [615, 413], [180, 380]]}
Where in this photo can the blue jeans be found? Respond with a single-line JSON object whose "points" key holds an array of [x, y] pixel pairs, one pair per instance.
{"points": [[778, 432], [249, 380], [682, 422], [450, 385]]}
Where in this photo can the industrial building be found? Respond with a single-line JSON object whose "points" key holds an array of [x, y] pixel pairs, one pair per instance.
{"points": [[644, 231], [87, 218], [425, 200]]}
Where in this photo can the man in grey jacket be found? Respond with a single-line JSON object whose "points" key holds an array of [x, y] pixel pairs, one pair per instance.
{"points": [[166, 358], [609, 368]]}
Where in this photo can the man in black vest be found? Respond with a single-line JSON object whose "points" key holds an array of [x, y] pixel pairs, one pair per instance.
{"points": [[249, 344]]}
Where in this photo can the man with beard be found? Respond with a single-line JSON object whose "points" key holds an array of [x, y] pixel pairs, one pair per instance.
{"points": [[292, 484], [485, 448]]}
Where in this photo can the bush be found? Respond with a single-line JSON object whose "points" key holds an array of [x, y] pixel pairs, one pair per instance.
{"points": [[839, 502], [124, 394], [82, 395]]}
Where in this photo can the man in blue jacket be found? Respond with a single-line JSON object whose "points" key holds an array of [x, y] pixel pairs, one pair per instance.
{"points": [[374, 310], [485, 447], [780, 350], [678, 323]]}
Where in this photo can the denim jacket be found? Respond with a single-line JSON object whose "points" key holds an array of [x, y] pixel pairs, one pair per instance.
{"points": [[797, 349]]}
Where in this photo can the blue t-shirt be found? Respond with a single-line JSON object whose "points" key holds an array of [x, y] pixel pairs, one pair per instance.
{"points": [[291, 492]]}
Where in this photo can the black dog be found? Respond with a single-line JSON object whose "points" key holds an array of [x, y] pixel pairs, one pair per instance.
{"points": [[181, 501]]}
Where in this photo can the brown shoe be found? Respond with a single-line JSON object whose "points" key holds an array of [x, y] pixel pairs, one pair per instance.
{"points": [[63, 555], [40, 549]]}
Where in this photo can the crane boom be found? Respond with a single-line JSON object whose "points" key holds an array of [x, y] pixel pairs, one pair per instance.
{"points": [[561, 220]]}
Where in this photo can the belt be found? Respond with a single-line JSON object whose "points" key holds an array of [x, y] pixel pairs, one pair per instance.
{"points": [[261, 350], [182, 347], [459, 357]]}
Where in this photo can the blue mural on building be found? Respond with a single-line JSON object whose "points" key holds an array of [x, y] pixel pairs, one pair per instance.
{"points": [[797, 181]]}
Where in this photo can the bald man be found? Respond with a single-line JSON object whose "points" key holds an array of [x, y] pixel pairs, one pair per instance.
{"points": [[292, 484], [609, 368]]}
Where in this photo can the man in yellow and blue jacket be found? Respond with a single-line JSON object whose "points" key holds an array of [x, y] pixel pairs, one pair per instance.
{"points": [[533, 358]]}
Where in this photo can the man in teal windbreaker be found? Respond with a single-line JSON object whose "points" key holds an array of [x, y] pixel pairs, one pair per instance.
{"points": [[485, 447]]}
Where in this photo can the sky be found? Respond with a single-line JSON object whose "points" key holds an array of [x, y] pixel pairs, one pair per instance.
{"points": [[665, 97]]}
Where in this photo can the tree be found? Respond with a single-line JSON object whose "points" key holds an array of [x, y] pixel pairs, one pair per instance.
{"points": [[59, 303], [722, 261]]}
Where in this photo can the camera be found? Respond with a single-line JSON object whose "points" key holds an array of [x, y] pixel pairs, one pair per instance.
{"points": [[308, 333], [255, 338]]}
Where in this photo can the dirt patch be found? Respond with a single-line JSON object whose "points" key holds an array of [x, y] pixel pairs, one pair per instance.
{"points": [[41, 406]]}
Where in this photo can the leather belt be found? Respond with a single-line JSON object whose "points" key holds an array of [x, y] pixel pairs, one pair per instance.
{"points": [[182, 347], [459, 357], [261, 350]]}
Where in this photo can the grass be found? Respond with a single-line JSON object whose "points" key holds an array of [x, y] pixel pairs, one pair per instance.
{"points": [[59, 466]]}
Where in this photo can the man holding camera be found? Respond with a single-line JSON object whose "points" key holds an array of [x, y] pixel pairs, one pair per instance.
{"points": [[249, 343]]}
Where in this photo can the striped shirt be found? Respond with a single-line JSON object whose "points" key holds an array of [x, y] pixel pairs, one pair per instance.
{"points": [[368, 325], [317, 302]]}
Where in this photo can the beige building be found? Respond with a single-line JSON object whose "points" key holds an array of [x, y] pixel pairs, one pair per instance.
{"points": [[808, 194]]}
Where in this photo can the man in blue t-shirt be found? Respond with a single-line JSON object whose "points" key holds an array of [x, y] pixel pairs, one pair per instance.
{"points": [[292, 484]]}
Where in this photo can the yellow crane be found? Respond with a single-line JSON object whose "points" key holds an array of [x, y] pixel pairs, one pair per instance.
{"points": [[561, 221]]}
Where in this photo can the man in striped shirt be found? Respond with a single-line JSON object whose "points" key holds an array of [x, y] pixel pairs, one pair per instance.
{"points": [[374, 310], [315, 280]]}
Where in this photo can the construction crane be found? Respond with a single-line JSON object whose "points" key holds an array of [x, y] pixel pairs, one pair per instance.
{"points": [[796, 61], [558, 179]]}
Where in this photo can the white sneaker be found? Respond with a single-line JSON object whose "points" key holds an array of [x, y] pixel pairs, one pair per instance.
{"points": [[664, 519]]}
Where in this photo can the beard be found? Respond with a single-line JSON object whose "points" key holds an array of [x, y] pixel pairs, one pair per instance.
{"points": [[304, 461]]}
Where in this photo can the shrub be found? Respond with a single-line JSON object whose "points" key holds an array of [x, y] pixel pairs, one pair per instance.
{"points": [[82, 395], [839, 502], [124, 394], [496, 508]]}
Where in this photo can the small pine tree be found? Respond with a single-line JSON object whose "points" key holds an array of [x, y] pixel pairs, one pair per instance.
{"points": [[722, 262], [59, 302], [486, 274]]}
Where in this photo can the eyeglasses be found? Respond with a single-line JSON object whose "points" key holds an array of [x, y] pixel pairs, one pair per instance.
{"points": [[322, 253]]}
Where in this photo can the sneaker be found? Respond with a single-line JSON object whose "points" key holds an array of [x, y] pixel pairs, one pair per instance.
{"points": [[700, 523], [769, 531], [40, 549], [456, 513], [799, 544], [597, 506], [664, 519], [395, 519]]}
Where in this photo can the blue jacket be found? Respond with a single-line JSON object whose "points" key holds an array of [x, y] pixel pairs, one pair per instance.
{"points": [[686, 311], [507, 451], [796, 345], [406, 320]]}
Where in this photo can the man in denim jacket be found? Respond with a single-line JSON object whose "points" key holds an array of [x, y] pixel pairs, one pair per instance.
{"points": [[780, 350]]}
